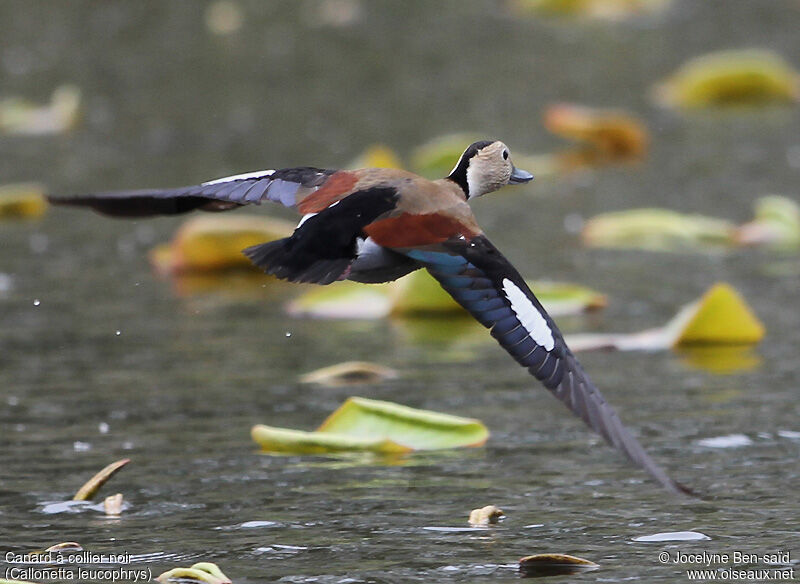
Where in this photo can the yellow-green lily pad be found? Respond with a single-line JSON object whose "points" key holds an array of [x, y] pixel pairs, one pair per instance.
{"points": [[203, 572], [215, 242], [597, 9], [435, 158], [776, 223], [376, 426], [419, 293], [720, 317], [377, 156], [20, 116], [342, 300], [746, 77], [22, 201], [657, 230]]}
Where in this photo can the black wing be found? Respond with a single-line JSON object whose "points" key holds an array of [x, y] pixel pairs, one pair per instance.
{"points": [[286, 186], [324, 245], [485, 283]]}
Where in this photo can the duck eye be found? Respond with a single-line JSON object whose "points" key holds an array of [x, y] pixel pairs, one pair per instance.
{"points": [[505, 154]]}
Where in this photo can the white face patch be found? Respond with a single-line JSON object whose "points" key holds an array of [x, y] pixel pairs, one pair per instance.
{"points": [[256, 174], [528, 315], [472, 182]]}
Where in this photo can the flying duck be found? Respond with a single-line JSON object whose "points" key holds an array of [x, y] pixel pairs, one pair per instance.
{"points": [[376, 225]]}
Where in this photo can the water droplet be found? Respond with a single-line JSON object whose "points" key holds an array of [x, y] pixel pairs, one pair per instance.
{"points": [[79, 446], [288, 334], [12, 400], [118, 333], [103, 428], [37, 302]]}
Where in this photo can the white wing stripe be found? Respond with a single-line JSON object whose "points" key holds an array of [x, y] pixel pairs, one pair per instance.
{"points": [[528, 315], [256, 174]]}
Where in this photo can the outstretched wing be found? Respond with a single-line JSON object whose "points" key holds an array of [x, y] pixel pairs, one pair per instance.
{"points": [[289, 186], [485, 283]]}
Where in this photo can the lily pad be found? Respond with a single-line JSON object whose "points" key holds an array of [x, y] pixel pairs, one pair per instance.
{"points": [[377, 156], [658, 230], [596, 9], [215, 242], [720, 317], [613, 134], [749, 77], [22, 201], [349, 373], [435, 158], [19, 116], [554, 564], [343, 300], [776, 224], [376, 426], [419, 293], [204, 572]]}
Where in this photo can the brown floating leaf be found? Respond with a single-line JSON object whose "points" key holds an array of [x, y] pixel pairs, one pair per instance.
{"points": [[485, 515], [87, 491], [67, 546], [612, 134], [113, 505], [349, 373], [554, 564]]}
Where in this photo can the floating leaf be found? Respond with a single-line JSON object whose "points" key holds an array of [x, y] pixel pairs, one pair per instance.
{"points": [[419, 293], [673, 536], [612, 134], [376, 426], [112, 505], [349, 373], [554, 564], [204, 572], [88, 491], [69, 547], [485, 515], [600, 9], [22, 201], [776, 223], [377, 156], [274, 439], [719, 317], [19, 116], [215, 242], [658, 230], [342, 300], [436, 158], [731, 78]]}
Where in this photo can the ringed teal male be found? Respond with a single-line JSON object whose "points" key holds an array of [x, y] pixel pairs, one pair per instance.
{"points": [[375, 225]]}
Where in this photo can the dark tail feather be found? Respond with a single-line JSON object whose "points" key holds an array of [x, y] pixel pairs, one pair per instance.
{"points": [[278, 258]]}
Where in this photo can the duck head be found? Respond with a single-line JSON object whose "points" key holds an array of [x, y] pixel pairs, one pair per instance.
{"points": [[484, 167]]}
